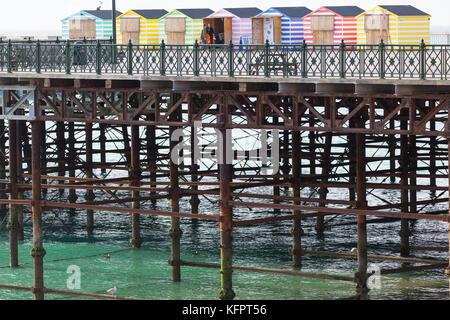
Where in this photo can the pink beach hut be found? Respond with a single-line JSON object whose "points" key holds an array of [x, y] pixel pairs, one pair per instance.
{"points": [[232, 24]]}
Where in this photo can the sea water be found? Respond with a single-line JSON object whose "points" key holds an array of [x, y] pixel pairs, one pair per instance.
{"points": [[145, 273]]}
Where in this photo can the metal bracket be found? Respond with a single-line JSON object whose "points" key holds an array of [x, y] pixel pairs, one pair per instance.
{"points": [[25, 94]]}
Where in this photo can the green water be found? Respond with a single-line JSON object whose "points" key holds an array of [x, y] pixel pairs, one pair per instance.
{"points": [[146, 274]]}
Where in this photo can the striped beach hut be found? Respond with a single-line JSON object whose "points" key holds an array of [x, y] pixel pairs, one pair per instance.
{"points": [[281, 25], [233, 24], [182, 26], [402, 24], [89, 24], [139, 26], [330, 25]]}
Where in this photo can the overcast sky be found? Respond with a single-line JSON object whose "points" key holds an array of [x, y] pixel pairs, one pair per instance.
{"points": [[40, 16]]}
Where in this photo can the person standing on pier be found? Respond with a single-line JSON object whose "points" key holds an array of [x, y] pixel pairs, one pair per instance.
{"points": [[210, 34], [204, 36]]}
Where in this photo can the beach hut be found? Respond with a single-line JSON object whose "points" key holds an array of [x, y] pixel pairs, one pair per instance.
{"points": [[89, 24], [233, 24], [281, 25], [394, 25], [139, 26], [331, 25], [182, 26]]}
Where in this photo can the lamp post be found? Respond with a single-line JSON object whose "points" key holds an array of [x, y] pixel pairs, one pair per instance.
{"points": [[114, 21]]}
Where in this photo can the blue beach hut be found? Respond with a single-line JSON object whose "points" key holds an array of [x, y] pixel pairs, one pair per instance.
{"points": [[279, 25], [89, 24]]}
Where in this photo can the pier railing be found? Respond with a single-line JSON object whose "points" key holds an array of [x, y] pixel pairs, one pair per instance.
{"points": [[418, 61]]}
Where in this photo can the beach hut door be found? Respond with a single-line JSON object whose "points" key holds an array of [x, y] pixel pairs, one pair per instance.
{"points": [[277, 30], [377, 28], [228, 29], [175, 28], [322, 27], [79, 29], [257, 30], [130, 29], [268, 30]]}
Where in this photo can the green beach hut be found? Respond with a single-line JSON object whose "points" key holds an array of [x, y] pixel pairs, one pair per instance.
{"points": [[182, 26]]}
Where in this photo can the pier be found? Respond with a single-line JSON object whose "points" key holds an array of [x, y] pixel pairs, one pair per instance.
{"points": [[354, 120]]}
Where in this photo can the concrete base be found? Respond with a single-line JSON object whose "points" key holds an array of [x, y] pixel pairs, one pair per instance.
{"points": [[296, 87], [362, 88], [421, 89], [335, 88]]}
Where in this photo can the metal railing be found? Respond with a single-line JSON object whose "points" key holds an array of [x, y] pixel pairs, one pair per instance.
{"points": [[418, 61]]}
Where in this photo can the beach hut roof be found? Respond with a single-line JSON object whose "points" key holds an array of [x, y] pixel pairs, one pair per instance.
{"points": [[404, 10], [151, 14], [196, 13], [102, 14], [297, 12], [244, 12], [346, 11]]}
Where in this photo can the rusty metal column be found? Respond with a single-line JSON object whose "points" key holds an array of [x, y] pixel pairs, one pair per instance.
{"points": [[135, 177], [89, 174], [126, 143], [285, 168], [276, 189], [447, 129], [225, 163], [323, 191], [325, 166], [195, 201], [404, 223], [26, 144], [352, 159], [361, 275], [312, 149], [3, 207], [175, 232], [226, 221], [38, 251], [102, 139], [412, 156], [391, 147], [60, 152], [72, 155], [13, 224], [43, 141], [447, 271], [296, 231], [152, 153], [433, 147], [22, 134]]}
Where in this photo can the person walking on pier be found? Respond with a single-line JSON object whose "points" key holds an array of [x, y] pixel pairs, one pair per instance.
{"points": [[204, 36]]}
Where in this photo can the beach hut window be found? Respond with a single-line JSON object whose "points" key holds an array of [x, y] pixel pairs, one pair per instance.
{"points": [[322, 22], [322, 27], [79, 29], [130, 28], [175, 28]]}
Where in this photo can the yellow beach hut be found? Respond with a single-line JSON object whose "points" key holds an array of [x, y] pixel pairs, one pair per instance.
{"points": [[401, 24], [139, 26]]}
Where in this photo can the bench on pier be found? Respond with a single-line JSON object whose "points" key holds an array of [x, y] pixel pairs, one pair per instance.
{"points": [[277, 63]]}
